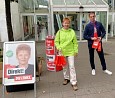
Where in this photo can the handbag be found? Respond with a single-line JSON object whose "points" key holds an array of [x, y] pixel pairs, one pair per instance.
{"points": [[95, 44], [57, 63], [60, 60]]}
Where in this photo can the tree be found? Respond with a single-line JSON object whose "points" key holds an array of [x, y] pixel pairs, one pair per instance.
{"points": [[8, 20]]}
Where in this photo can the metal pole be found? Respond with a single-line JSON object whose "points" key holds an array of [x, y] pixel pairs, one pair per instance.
{"points": [[113, 18], [112, 30], [50, 24], [80, 34], [3, 90], [35, 89], [107, 25], [65, 8], [35, 23]]}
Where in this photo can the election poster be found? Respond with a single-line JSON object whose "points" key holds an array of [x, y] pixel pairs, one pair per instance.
{"points": [[19, 62]]}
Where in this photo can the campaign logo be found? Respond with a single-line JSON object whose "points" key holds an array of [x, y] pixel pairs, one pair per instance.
{"points": [[9, 53]]}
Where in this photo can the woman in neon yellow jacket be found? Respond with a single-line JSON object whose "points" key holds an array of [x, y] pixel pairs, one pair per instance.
{"points": [[66, 43]]}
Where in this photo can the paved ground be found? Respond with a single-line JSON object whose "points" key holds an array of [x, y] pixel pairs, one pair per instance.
{"points": [[99, 86]]}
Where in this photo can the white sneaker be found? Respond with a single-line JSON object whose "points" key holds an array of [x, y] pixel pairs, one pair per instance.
{"points": [[108, 72], [93, 72]]}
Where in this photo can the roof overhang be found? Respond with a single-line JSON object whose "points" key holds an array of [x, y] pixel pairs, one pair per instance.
{"points": [[78, 8]]}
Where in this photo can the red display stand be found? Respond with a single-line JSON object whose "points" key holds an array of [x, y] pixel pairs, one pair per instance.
{"points": [[50, 54]]}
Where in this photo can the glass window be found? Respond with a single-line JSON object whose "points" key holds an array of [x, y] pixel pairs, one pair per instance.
{"points": [[72, 2], [58, 2], [28, 6], [76, 2]]}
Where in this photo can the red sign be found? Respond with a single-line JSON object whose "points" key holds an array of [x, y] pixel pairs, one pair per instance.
{"points": [[50, 49], [22, 78], [50, 53]]}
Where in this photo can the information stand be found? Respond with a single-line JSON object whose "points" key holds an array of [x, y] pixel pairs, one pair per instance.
{"points": [[50, 54]]}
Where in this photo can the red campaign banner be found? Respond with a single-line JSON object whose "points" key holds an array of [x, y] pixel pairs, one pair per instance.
{"points": [[22, 78], [50, 49], [50, 54], [50, 66], [51, 69]]}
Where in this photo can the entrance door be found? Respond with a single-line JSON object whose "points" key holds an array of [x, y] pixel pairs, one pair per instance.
{"points": [[34, 27], [28, 27], [41, 27]]}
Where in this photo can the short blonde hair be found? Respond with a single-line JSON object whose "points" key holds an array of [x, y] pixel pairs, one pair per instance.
{"points": [[66, 18], [23, 47]]}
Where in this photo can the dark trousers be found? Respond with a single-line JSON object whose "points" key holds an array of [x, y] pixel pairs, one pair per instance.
{"points": [[101, 56]]}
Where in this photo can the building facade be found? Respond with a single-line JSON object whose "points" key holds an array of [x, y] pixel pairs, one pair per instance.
{"points": [[35, 19]]}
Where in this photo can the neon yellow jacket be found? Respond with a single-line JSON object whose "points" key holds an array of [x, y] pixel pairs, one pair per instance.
{"points": [[65, 40]]}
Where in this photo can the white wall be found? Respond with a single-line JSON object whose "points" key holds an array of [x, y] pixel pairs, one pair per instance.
{"points": [[3, 26], [15, 18]]}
